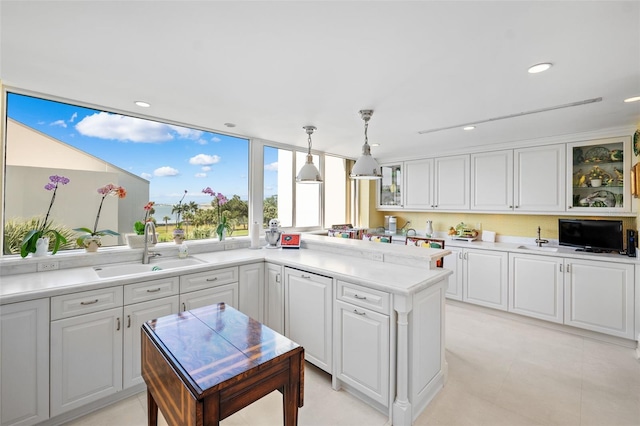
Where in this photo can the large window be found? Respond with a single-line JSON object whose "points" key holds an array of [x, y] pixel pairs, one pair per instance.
{"points": [[303, 206], [154, 161]]}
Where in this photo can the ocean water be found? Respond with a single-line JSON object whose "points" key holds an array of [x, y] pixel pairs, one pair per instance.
{"points": [[163, 210]]}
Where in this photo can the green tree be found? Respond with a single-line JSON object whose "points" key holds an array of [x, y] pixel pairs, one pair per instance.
{"points": [[270, 209], [237, 210], [166, 223]]}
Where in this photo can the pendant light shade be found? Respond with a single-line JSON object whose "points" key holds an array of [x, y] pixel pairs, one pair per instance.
{"points": [[366, 166], [309, 172]]}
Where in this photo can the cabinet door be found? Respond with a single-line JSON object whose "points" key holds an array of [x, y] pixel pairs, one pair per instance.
{"points": [[134, 316], [536, 286], [362, 337], [598, 175], [251, 291], [274, 298], [599, 297], [227, 293], [390, 189], [453, 262], [485, 278], [451, 177], [492, 181], [24, 344], [308, 299], [86, 359], [539, 178], [418, 177]]}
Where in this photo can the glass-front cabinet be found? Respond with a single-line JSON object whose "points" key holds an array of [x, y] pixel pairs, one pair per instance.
{"points": [[598, 173], [390, 189]]}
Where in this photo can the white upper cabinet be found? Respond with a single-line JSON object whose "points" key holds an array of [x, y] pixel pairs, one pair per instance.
{"points": [[492, 181], [596, 176], [390, 191], [539, 182], [419, 184], [451, 183]]}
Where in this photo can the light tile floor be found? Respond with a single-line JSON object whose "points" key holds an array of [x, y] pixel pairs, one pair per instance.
{"points": [[501, 372]]}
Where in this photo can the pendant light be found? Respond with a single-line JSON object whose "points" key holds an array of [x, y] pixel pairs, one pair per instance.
{"points": [[309, 172], [366, 166]]}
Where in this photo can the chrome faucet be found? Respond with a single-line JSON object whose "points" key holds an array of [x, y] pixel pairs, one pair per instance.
{"points": [[540, 241], [146, 254]]}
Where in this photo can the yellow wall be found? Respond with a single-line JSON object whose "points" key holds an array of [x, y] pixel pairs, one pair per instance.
{"points": [[503, 224]]}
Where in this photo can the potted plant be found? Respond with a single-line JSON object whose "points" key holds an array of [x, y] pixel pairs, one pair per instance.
{"points": [[91, 240], [178, 232], [596, 176], [218, 201], [36, 240], [136, 240]]}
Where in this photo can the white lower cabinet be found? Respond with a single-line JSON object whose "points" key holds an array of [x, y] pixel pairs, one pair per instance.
{"points": [[208, 288], [361, 338], [453, 262], [251, 290], [274, 297], [536, 286], [134, 316], [86, 358], [24, 365], [599, 296], [485, 278], [308, 321]]}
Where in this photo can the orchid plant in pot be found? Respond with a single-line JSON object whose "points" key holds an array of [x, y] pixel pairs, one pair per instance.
{"points": [[91, 239], [136, 240], [36, 240], [218, 201]]}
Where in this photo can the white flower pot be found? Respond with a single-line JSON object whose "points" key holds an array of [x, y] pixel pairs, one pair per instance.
{"points": [[136, 241], [42, 247], [596, 183]]}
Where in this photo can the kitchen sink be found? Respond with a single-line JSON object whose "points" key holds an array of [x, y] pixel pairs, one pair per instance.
{"points": [[536, 248], [120, 269]]}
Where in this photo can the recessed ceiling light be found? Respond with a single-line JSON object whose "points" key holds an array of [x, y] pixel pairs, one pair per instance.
{"points": [[534, 69], [634, 99], [469, 128], [229, 124], [142, 104]]}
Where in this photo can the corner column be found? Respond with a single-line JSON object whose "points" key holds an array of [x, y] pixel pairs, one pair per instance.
{"points": [[402, 412]]}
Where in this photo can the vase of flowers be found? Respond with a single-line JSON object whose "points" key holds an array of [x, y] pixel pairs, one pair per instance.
{"points": [[89, 240], [36, 240], [178, 233], [219, 200], [136, 240]]}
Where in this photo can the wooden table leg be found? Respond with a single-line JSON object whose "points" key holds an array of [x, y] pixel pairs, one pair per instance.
{"points": [[152, 410], [292, 395]]}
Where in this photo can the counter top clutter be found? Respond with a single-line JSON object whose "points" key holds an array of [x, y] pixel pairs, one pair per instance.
{"points": [[83, 312]]}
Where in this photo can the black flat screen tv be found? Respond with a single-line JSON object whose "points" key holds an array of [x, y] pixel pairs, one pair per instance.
{"points": [[591, 235]]}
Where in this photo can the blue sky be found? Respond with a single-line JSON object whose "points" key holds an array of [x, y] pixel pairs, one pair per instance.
{"points": [[172, 158]]}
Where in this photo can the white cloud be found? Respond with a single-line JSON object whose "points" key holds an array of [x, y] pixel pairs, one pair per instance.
{"points": [[206, 168], [60, 123], [165, 171], [201, 142], [216, 139], [73, 117], [273, 167], [204, 160], [200, 175], [146, 176], [118, 127], [186, 133]]}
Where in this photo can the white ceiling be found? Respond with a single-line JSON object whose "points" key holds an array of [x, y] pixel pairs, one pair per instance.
{"points": [[273, 67]]}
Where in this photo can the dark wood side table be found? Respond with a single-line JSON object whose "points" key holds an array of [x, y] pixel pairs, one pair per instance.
{"points": [[203, 365]]}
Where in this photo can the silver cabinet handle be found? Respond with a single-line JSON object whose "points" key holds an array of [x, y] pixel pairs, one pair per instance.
{"points": [[118, 324], [128, 321], [91, 302], [466, 256], [305, 276], [155, 290], [355, 311], [184, 307], [510, 207], [569, 267], [569, 207], [277, 278], [212, 279], [561, 268], [360, 297], [517, 207], [460, 255]]}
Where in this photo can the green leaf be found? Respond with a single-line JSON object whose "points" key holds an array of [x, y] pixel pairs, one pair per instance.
{"points": [[87, 230]]}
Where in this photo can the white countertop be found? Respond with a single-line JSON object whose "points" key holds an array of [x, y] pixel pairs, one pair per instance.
{"points": [[393, 278]]}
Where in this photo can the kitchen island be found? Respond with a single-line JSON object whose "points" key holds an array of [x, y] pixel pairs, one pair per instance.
{"points": [[390, 294]]}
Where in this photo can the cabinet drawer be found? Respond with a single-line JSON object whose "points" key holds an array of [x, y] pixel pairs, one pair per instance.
{"points": [[150, 290], [209, 279], [73, 304], [378, 301]]}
